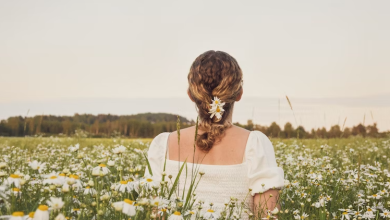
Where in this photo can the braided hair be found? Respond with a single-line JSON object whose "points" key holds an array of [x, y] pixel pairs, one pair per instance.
{"points": [[214, 73]]}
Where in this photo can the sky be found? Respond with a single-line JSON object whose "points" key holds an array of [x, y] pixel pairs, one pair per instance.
{"points": [[124, 57]]}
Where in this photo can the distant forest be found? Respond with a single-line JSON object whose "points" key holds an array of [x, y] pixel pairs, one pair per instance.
{"points": [[148, 125]]}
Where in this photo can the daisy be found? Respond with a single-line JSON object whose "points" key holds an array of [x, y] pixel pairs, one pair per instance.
{"points": [[60, 217], [118, 206], [14, 179], [126, 206], [190, 212], [375, 196], [124, 186], [17, 216], [149, 182], [31, 216], [385, 213], [119, 150], [217, 111], [75, 148], [35, 165], [74, 180], [216, 101], [356, 214], [100, 170], [162, 211], [53, 179], [159, 202], [303, 216], [16, 191], [42, 213], [55, 203], [176, 216], [89, 190], [111, 163], [211, 214], [345, 215]]}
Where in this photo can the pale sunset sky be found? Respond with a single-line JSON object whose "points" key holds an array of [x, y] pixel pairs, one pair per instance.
{"points": [[331, 57]]}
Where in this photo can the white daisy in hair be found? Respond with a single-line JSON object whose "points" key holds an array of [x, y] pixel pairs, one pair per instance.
{"points": [[216, 101], [216, 108]]}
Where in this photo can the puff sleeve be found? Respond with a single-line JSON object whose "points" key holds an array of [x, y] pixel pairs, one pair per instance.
{"points": [[263, 172], [156, 155]]}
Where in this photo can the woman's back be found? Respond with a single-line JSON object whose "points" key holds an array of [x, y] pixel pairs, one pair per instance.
{"points": [[257, 169], [233, 159], [229, 150]]}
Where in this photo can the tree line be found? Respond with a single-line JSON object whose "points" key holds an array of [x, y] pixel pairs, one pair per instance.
{"points": [[148, 125], [103, 125], [288, 131]]}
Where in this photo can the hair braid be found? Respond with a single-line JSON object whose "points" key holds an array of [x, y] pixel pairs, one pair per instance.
{"points": [[213, 73]]}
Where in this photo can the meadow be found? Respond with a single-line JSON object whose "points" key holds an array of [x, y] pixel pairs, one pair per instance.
{"points": [[85, 178]]}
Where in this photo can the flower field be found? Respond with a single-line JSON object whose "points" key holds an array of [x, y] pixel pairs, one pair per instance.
{"points": [[81, 178]]}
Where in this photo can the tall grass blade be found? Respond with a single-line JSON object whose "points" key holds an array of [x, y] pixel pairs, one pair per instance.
{"points": [[296, 122], [147, 162], [178, 144], [25, 123], [176, 180], [342, 133], [364, 119]]}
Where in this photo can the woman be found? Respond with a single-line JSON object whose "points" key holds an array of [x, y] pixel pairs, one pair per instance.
{"points": [[235, 161]]}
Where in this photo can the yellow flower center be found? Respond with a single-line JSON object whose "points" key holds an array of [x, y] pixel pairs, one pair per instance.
{"points": [[16, 189], [43, 207], [74, 176], [375, 195], [18, 214], [102, 165], [149, 180], [75, 210], [124, 182], [128, 201], [87, 187], [216, 102], [177, 213], [31, 214], [210, 210], [218, 110], [369, 209], [53, 177], [344, 213], [15, 176], [192, 212], [62, 174]]}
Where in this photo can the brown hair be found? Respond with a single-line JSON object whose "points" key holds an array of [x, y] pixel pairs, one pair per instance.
{"points": [[214, 73]]}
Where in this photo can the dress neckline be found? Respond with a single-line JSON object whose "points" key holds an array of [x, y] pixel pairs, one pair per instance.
{"points": [[244, 162]]}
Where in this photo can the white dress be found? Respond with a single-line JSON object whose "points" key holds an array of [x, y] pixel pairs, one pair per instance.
{"points": [[258, 171]]}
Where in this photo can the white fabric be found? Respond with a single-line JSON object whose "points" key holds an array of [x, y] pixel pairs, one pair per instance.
{"points": [[220, 182]]}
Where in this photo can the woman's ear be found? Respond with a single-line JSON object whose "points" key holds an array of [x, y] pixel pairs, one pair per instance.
{"points": [[240, 95], [189, 95]]}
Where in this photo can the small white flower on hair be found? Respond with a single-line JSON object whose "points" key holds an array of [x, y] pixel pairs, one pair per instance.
{"points": [[216, 108]]}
